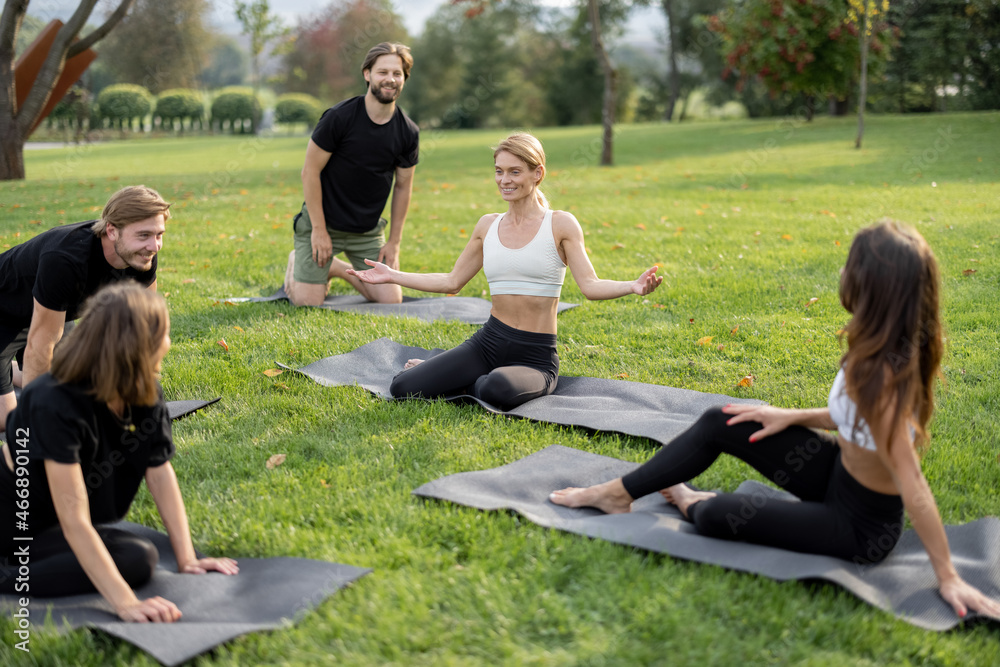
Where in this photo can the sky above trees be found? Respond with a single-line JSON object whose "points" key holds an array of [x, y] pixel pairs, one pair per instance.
{"points": [[645, 24]]}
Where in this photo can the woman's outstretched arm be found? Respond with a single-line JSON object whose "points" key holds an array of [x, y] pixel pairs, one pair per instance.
{"points": [[569, 237], [466, 266], [901, 459], [69, 495]]}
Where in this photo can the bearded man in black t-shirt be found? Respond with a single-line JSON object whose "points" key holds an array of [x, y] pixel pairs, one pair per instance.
{"points": [[361, 150], [45, 281]]}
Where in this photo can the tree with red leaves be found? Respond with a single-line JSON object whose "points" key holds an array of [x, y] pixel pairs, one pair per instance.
{"points": [[797, 46]]}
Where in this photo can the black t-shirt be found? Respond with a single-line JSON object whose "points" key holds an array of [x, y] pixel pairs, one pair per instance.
{"points": [[61, 267], [358, 177], [64, 423]]}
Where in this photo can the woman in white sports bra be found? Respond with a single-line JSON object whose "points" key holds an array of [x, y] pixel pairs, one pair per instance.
{"points": [[524, 253], [853, 485]]}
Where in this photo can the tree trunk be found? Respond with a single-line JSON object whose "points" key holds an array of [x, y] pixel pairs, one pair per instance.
{"points": [[608, 109], [11, 153], [863, 88], [675, 75]]}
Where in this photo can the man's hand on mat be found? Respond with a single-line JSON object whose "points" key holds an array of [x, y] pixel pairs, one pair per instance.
{"points": [[963, 597], [377, 275], [150, 610], [647, 282], [203, 565], [774, 420]]}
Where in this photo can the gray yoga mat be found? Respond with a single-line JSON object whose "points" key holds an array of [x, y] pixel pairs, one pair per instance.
{"points": [[468, 309], [180, 409], [267, 594], [903, 584], [633, 408]]}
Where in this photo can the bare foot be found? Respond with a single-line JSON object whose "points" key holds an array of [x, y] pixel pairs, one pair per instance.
{"points": [[684, 496], [411, 363], [610, 497]]}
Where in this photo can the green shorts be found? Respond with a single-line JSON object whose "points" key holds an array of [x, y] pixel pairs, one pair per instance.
{"points": [[357, 248]]}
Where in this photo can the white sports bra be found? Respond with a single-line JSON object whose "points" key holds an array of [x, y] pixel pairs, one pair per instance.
{"points": [[843, 412], [533, 270]]}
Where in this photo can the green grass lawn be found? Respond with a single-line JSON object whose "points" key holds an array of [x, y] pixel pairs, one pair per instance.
{"points": [[750, 221]]}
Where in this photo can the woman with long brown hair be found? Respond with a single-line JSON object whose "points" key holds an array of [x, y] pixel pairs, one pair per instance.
{"points": [[524, 253], [853, 486], [81, 441]]}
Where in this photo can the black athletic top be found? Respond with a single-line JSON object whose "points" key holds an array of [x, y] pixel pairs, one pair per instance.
{"points": [[358, 177], [65, 423], [61, 267]]}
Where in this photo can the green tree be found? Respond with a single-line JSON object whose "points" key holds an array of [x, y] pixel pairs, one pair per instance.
{"points": [[327, 48], [807, 46], [172, 35], [16, 120], [262, 27]]}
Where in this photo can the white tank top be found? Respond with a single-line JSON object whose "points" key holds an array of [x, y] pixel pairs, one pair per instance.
{"points": [[533, 270], [843, 412]]}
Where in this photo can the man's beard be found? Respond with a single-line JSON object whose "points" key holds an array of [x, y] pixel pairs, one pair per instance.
{"points": [[133, 258], [380, 94]]}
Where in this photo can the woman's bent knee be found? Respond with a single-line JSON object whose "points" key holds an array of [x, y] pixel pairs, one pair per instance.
{"points": [[136, 558]]}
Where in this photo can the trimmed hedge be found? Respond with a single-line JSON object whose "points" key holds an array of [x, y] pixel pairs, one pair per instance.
{"points": [[236, 104], [122, 103], [179, 104], [298, 108]]}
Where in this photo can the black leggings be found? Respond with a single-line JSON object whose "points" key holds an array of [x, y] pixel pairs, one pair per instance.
{"points": [[837, 516], [499, 365], [54, 571]]}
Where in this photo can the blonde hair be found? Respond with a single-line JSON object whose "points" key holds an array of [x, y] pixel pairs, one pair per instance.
{"points": [[389, 49], [131, 204], [113, 347], [528, 149]]}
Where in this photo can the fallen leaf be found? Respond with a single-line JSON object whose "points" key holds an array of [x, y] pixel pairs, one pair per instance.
{"points": [[691, 321], [238, 327], [705, 340], [699, 212], [721, 346], [605, 224], [829, 213], [732, 332], [968, 272], [188, 281], [281, 386], [812, 301], [618, 246], [275, 461], [273, 372], [324, 484], [223, 343], [787, 237], [622, 376], [641, 226], [747, 381], [244, 192]]}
